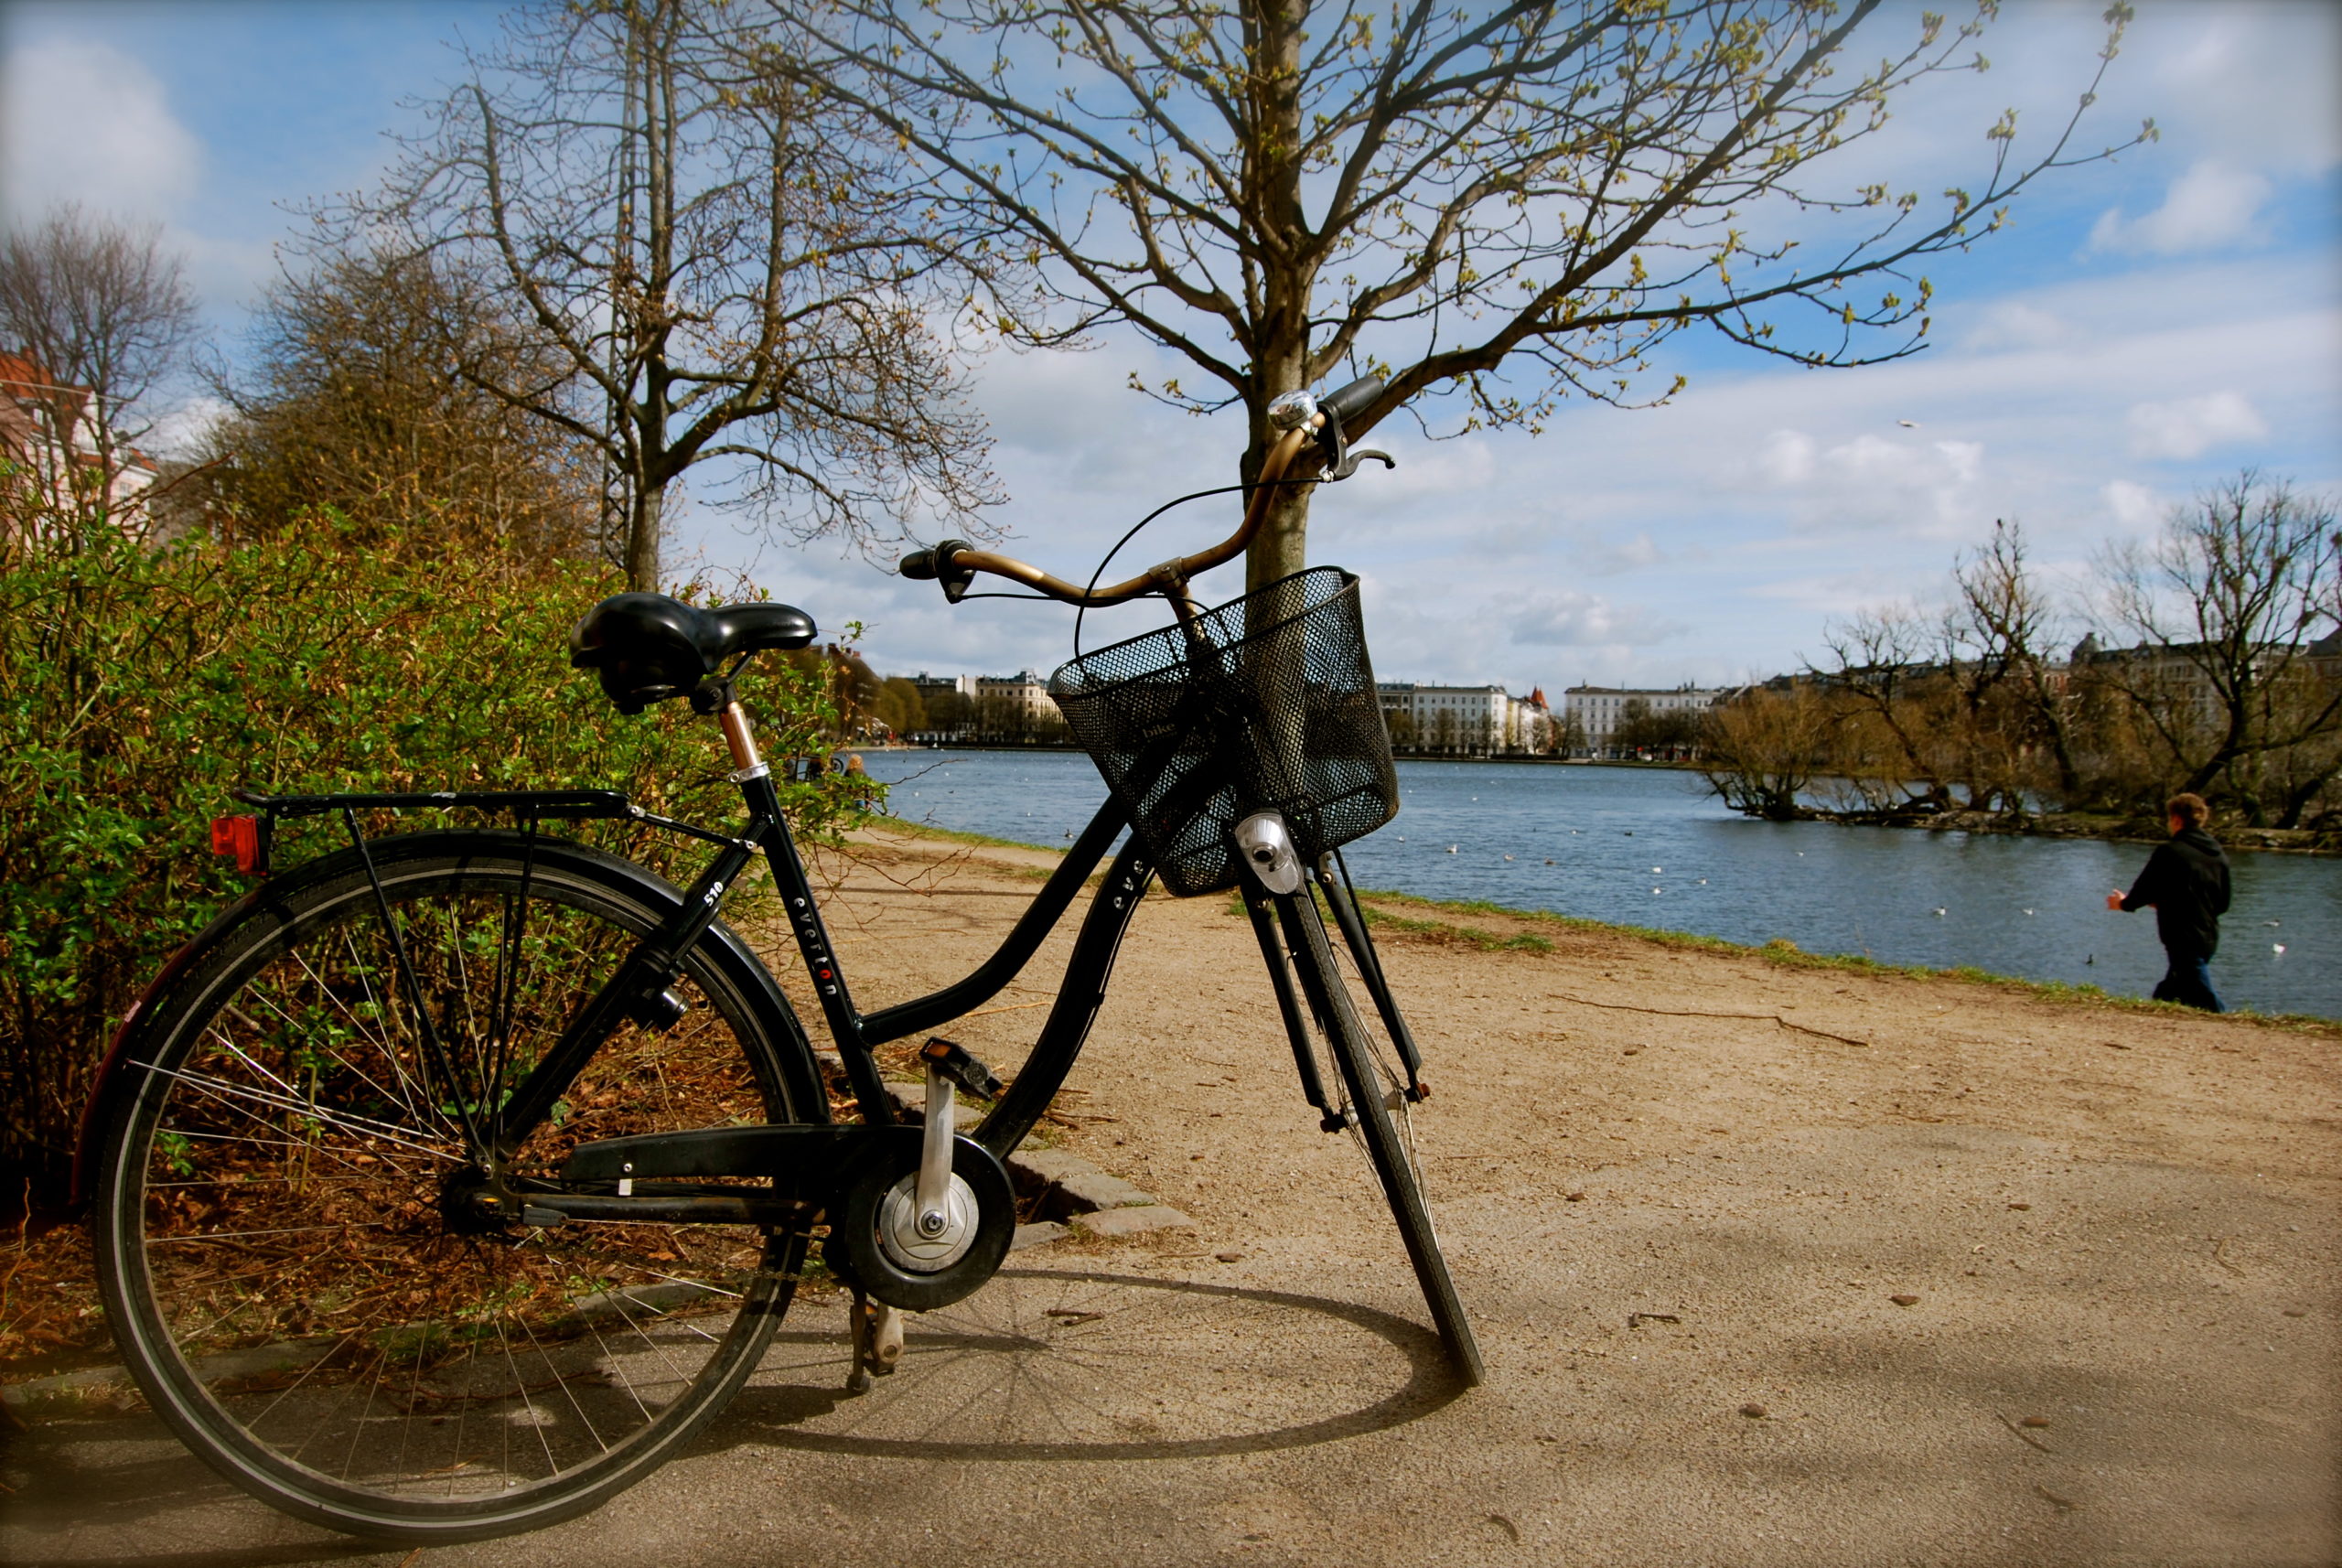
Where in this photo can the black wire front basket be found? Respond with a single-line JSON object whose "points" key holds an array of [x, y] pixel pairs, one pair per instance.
{"points": [[1267, 700]]}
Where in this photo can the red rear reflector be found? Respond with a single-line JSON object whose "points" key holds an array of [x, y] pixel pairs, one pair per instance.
{"points": [[239, 836]]}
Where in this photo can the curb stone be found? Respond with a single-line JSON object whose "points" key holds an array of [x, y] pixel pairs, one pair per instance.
{"points": [[1134, 1221], [1072, 1193], [91, 1385]]}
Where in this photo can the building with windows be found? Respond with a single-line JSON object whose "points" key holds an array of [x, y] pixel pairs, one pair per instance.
{"points": [[950, 704], [1017, 708], [1598, 711], [1464, 721], [49, 438]]}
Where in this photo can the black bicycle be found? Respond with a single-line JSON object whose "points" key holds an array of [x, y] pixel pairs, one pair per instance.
{"points": [[447, 1182]]}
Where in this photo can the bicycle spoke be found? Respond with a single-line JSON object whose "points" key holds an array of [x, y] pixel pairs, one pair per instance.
{"points": [[312, 1269], [359, 1126]]}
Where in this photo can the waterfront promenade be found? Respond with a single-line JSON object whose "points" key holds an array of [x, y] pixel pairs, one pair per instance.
{"points": [[1688, 1194]]}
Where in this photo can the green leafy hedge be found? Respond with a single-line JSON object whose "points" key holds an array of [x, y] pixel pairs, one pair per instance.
{"points": [[138, 689]]}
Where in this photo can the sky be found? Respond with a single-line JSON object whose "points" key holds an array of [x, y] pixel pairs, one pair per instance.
{"points": [[2143, 330]]}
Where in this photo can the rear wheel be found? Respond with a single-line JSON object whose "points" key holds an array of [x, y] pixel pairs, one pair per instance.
{"points": [[294, 1257], [1365, 1086]]}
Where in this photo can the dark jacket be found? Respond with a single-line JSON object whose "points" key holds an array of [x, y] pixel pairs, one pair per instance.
{"points": [[2186, 879]]}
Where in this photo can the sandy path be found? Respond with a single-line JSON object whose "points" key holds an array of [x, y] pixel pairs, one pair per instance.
{"points": [[2119, 1224], [2107, 1216]]}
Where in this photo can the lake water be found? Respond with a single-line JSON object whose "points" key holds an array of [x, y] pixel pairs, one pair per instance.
{"points": [[1652, 847]]}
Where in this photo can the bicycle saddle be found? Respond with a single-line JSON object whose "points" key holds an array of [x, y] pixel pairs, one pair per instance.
{"points": [[647, 647]]}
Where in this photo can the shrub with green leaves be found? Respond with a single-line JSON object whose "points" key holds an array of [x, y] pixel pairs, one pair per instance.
{"points": [[139, 688]]}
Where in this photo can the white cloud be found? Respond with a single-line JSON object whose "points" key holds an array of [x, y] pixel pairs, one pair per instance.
{"points": [[2210, 207], [1870, 481], [1787, 457], [177, 430], [1602, 558], [83, 122], [1568, 619], [2253, 83], [2188, 428], [2013, 324], [1962, 460], [2136, 509]]}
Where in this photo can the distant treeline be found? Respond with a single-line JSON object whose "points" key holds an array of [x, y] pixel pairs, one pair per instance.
{"points": [[2206, 661]]}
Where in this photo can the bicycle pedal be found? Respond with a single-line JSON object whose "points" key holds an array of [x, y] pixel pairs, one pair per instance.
{"points": [[954, 1063]]}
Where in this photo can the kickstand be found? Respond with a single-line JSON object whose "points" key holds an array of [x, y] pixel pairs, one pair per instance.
{"points": [[876, 1331]]}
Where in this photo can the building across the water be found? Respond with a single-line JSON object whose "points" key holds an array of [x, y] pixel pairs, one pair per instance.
{"points": [[1017, 709], [1464, 721], [1595, 716], [1425, 720]]}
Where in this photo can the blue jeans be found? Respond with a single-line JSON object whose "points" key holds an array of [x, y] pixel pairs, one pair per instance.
{"points": [[2188, 981]]}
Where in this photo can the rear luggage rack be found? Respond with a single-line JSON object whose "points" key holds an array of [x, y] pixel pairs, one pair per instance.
{"points": [[249, 838]]}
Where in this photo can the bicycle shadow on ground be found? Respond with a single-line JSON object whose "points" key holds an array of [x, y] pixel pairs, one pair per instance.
{"points": [[1081, 1365], [114, 1469]]}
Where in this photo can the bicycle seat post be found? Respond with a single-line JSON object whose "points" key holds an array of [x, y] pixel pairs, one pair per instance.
{"points": [[742, 739]]}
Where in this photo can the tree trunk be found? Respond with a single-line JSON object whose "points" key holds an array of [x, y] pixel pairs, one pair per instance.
{"points": [[642, 538], [1287, 265], [1281, 548]]}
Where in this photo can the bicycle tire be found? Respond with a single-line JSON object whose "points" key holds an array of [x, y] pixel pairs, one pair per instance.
{"points": [[1368, 1091], [371, 1355]]}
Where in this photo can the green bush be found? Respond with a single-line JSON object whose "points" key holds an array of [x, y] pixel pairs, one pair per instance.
{"points": [[138, 689]]}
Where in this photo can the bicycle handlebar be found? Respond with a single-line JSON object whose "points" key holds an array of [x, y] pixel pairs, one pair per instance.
{"points": [[955, 563], [1346, 403]]}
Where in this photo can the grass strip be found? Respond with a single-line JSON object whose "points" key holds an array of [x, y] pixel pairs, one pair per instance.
{"points": [[953, 835], [1785, 954]]}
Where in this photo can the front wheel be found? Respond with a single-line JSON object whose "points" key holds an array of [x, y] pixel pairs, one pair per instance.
{"points": [[289, 1238], [1367, 1094]]}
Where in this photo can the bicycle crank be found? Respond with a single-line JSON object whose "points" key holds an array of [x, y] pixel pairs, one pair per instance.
{"points": [[925, 1237]]}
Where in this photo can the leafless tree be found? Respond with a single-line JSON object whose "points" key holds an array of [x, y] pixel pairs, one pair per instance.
{"points": [[724, 257], [1509, 202], [103, 311], [1764, 747], [364, 396], [2223, 606], [1669, 733], [1568, 733], [2001, 631], [1874, 685]]}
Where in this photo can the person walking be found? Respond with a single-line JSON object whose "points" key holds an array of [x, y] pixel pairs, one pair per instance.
{"points": [[2186, 880]]}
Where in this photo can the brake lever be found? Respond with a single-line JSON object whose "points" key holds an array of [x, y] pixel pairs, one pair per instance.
{"points": [[1356, 456]]}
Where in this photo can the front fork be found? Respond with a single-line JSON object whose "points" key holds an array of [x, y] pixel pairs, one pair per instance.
{"points": [[1275, 879]]}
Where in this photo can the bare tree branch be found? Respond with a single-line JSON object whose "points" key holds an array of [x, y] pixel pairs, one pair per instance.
{"points": [[722, 258], [1514, 204]]}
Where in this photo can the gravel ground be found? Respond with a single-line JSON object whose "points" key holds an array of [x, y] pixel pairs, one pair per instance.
{"points": [[2013, 1280]]}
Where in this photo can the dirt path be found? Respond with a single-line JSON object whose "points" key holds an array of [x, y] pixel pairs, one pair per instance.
{"points": [[2116, 1230]]}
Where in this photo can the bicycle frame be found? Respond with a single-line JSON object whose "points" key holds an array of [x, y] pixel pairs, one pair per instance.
{"points": [[657, 957], [856, 1033]]}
